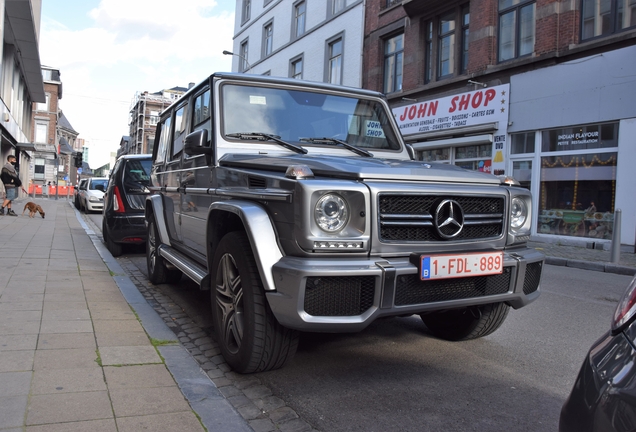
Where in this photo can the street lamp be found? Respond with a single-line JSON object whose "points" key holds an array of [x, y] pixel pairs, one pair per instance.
{"points": [[226, 52]]}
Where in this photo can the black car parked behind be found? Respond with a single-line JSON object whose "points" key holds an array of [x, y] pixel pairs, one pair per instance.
{"points": [[124, 201]]}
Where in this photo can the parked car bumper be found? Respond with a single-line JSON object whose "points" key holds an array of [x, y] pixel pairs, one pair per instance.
{"points": [[94, 206], [127, 228], [348, 294], [604, 393]]}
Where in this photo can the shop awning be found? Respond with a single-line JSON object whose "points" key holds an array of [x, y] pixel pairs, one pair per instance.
{"points": [[26, 146]]}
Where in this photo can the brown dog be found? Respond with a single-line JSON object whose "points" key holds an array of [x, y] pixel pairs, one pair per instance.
{"points": [[33, 208]]}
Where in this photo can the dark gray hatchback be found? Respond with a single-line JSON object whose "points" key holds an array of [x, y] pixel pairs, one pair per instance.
{"points": [[124, 202]]}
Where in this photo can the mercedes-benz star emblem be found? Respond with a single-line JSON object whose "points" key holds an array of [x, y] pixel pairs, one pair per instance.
{"points": [[449, 219]]}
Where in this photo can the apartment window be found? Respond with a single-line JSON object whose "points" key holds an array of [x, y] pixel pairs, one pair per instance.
{"points": [[153, 118], [446, 41], [334, 65], [446, 44], [337, 6], [243, 65], [268, 38], [604, 17], [393, 62], [246, 11], [300, 12], [41, 130], [465, 36], [296, 68], [516, 28], [43, 106]]}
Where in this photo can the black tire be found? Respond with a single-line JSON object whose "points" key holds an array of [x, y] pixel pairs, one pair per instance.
{"points": [[115, 249], [248, 334], [466, 323], [158, 273]]}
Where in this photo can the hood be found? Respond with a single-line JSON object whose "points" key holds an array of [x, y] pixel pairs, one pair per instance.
{"points": [[361, 168]]}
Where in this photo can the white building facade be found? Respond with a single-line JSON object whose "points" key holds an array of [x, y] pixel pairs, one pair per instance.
{"points": [[304, 39]]}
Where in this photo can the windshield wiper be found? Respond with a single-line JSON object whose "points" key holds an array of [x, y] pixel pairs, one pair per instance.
{"points": [[268, 137], [325, 140]]}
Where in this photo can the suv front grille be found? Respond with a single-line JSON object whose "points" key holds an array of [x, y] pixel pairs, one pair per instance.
{"points": [[411, 290], [409, 218], [339, 295]]}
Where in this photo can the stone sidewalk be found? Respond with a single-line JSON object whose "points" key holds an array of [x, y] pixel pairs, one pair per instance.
{"points": [[74, 355]]}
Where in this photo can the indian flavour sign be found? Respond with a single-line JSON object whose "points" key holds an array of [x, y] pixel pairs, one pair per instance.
{"points": [[467, 109]]}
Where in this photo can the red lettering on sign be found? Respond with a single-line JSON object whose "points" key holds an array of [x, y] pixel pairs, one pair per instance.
{"points": [[426, 109]]}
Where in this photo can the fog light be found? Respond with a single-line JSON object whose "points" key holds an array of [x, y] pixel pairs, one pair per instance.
{"points": [[331, 245]]}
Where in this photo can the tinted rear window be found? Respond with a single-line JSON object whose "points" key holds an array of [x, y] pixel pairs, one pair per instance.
{"points": [[137, 176]]}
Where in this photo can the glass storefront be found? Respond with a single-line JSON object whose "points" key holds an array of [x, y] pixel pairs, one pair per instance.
{"points": [[473, 157], [578, 181]]}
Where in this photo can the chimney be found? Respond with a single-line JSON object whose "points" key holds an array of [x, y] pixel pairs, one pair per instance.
{"points": [[190, 85]]}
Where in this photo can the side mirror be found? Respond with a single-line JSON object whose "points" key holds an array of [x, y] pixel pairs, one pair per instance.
{"points": [[196, 143]]}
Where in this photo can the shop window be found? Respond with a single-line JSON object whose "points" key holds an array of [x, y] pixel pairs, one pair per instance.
{"points": [[577, 195], [604, 17], [393, 61], [474, 157], [516, 28], [522, 172], [39, 169], [436, 155], [580, 137], [522, 143]]}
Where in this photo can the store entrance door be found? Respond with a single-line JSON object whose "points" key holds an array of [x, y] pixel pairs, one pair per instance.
{"points": [[522, 172]]}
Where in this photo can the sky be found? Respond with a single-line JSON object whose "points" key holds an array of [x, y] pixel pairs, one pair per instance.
{"points": [[108, 51]]}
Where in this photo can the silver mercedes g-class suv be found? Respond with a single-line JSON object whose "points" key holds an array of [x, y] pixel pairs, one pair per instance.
{"points": [[300, 208]]}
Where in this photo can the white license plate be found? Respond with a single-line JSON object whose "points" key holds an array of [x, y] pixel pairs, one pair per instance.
{"points": [[460, 265]]}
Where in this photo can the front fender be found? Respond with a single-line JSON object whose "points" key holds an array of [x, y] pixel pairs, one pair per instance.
{"points": [[261, 234]]}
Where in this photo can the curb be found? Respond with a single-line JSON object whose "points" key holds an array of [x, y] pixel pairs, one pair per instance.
{"points": [[593, 266], [213, 409]]}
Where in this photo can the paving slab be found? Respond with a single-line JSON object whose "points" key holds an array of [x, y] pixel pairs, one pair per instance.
{"points": [[138, 376], [12, 409], [18, 342], [54, 381], [108, 339], [182, 422], [66, 314], [15, 383], [65, 358], [16, 361], [20, 315], [106, 425], [55, 341], [117, 326], [19, 328], [128, 355], [145, 401], [68, 407]]}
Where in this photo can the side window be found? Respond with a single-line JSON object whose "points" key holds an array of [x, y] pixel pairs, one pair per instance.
{"points": [[164, 139], [179, 129]]}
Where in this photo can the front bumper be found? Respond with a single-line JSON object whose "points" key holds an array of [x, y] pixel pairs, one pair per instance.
{"points": [[94, 206], [344, 295]]}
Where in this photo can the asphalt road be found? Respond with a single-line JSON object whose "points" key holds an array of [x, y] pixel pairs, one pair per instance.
{"points": [[394, 376]]}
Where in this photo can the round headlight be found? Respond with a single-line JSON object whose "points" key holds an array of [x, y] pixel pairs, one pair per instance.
{"points": [[518, 213], [331, 213]]}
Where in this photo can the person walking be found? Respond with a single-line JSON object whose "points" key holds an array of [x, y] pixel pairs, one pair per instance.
{"points": [[11, 183]]}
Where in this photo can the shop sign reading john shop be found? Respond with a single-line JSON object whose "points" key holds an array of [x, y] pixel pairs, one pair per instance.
{"points": [[467, 109]]}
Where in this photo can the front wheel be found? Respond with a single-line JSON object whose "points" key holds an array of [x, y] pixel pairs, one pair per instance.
{"points": [[250, 337], [158, 272], [466, 323]]}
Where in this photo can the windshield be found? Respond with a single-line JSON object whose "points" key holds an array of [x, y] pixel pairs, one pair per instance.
{"points": [[296, 114], [96, 183]]}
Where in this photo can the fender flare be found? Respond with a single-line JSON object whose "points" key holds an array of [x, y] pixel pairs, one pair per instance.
{"points": [[261, 234], [156, 203]]}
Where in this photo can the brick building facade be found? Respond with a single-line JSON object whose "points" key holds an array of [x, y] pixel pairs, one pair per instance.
{"points": [[537, 89]]}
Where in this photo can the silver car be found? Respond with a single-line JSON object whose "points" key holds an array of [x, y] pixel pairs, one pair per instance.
{"points": [[91, 194]]}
